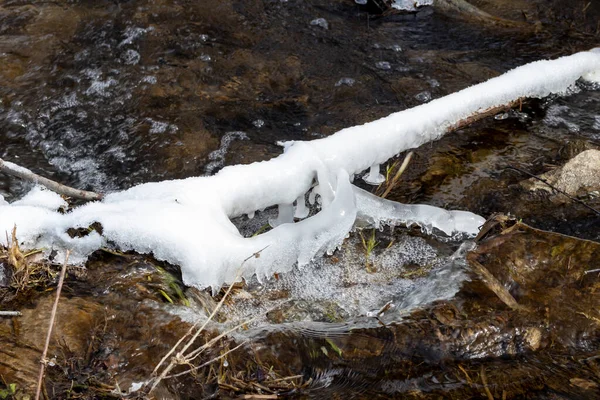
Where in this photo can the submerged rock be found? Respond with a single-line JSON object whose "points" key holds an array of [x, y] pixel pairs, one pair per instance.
{"points": [[580, 176]]}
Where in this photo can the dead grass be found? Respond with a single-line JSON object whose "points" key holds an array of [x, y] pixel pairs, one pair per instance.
{"points": [[26, 270]]}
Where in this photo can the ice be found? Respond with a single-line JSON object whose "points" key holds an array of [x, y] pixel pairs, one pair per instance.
{"points": [[361, 2], [445, 283], [322, 22], [410, 5], [301, 210], [285, 215], [375, 211], [374, 177], [187, 222]]}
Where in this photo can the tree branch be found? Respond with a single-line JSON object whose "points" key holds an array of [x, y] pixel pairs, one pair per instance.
{"points": [[27, 175]]}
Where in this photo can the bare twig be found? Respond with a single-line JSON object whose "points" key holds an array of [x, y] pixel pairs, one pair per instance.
{"points": [[43, 360], [485, 384], [10, 313], [25, 174]]}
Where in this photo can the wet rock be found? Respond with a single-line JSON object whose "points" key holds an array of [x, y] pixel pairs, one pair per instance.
{"points": [[580, 176]]}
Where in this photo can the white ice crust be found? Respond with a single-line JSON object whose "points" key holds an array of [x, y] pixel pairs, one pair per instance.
{"points": [[187, 222]]}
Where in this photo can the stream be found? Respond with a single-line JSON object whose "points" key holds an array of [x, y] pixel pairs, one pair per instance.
{"points": [[104, 95]]}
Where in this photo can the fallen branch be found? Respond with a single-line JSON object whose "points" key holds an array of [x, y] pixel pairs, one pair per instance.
{"points": [[29, 176], [43, 360]]}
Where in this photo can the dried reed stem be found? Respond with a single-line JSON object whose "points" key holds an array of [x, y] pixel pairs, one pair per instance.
{"points": [[43, 360]]}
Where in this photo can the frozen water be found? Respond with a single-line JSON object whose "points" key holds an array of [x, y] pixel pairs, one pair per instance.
{"points": [[322, 22], [375, 211], [374, 177], [410, 5], [187, 222]]}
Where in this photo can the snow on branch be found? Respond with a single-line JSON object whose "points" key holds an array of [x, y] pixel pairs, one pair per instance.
{"points": [[187, 222]]}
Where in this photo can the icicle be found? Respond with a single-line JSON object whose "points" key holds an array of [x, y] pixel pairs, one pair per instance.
{"points": [[285, 215], [375, 211], [374, 177], [251, 214], [301, 209]]}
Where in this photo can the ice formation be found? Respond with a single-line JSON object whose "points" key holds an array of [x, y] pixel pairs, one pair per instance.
{"points": [[187, 222], [410, 5]]}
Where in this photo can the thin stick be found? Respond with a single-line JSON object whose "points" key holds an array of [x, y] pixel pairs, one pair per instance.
{"points": [[495, 286], [43, 360], [10, 313], [25, 174], [554, 188]]}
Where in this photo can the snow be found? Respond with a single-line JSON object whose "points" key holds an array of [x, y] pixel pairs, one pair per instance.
{"points": [[187, 222]]}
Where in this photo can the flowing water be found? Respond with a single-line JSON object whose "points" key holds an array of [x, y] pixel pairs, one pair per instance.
{"points": [[104, 95]]}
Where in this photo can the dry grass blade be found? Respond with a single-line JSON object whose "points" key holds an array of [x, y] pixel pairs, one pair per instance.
{"points": [[43, 360], [398, 174], [182, 358], [206, 363]]}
